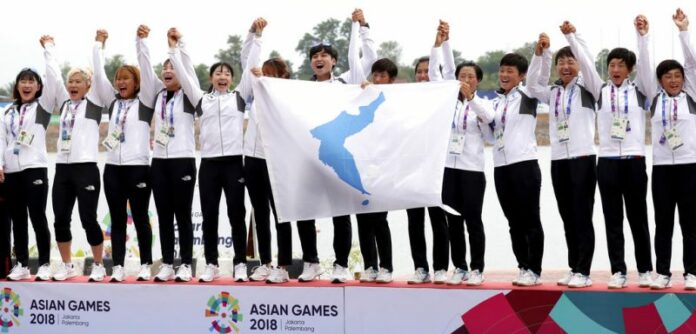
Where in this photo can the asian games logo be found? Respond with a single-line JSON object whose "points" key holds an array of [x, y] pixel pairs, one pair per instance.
{"points": [[10, 310], [224, 309]]}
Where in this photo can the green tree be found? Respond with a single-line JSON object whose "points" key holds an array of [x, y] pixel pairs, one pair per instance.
{"points": [[6, 91], [601, 63], [330, 31], [231, 55], [489, 63], [390, 50], [203, 74], [112, 64]]}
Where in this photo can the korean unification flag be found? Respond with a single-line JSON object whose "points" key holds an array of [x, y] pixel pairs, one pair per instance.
{"points": [[336, 149]]}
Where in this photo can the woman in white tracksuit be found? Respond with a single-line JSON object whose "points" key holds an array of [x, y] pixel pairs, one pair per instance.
{"points": [[222, 119], [77, 175], [173, 173], [127, 169], [23, 168]]}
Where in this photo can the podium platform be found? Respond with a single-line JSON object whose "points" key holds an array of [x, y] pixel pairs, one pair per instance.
{"points": [[224, 306]]}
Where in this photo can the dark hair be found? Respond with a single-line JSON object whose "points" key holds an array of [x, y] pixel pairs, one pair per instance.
{"points": [[628, 57], [26, 74], [516, 60], [323, 47], [221, 63], [477, 69], [564, 52], [420, 60], [385, 65], [666, 66], [277, 67]]}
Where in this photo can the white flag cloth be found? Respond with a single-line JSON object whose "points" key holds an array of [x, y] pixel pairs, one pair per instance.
{"points": [[336, 149]]}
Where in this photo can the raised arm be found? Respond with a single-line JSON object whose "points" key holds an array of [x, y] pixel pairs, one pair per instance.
{"points": [[105, 92], [187, 79], [185, 57], [646, 81], [593, 82], [150, 85], [369, 51], [356, 73], [254, 57], [448, 66], [682, 22], [54, 87], [435, 62], [540, 69]]}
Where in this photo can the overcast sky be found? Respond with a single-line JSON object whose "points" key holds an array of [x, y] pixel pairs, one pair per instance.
{"points": [[476, 26]]}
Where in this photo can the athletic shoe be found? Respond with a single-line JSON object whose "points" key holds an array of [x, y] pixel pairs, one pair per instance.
{"points": [[690, 282], [19, 272], [661, 282], [384, 276], [261, 273], [210, 273], [145, 273], [278, 275], [566, 279], [458, 277], [340, 274], [65, 271], [530, 278], [183, 274], [240, 272], [440, 277], [580, 281], [475, 278], [369, 275], [118, 274], [617, 281], [310, 272], [166, 273], [419, 276], [98, 273], [520, 276], [645, 280], [44, 273]]}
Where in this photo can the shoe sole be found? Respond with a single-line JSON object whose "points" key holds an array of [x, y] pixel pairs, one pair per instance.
{"points": [[142, 279], [181, 280], [95, 280], [113, 280], [271, 282], [338, 281], [157, 279], [418, 282], [38, 279]]}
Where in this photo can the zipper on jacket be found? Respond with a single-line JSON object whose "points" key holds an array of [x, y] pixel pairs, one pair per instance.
{"points": [[222, 143]]}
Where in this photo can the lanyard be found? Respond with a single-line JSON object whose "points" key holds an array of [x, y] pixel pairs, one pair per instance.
{"points": [[614, 102], [163, 113], [68, 127], [675, 107], [466, 115], [502, 118], [558, 101], [21, 120], [121, 121]]}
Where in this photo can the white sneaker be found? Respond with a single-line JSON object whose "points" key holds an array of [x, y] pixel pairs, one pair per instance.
{"points": [[98, 273], [440, 277], [566, 279], [240, 272], [690, 282], [19, 272], [310, 272], [210, 273], [617, 281], [369, 275], [529, 279], [118, 274], [458, 277], [65, 271], [278, 275], [520, 276], [580, 281], [166, 273], [44, 273], [384, 276], [645, 280], [475, 278], [340, 274], [261, 273], [661, 282], [419, 276], [183, 274], [145, 273]]}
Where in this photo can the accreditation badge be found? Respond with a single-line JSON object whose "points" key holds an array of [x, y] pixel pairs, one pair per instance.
{"points": [[618, 128]]}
